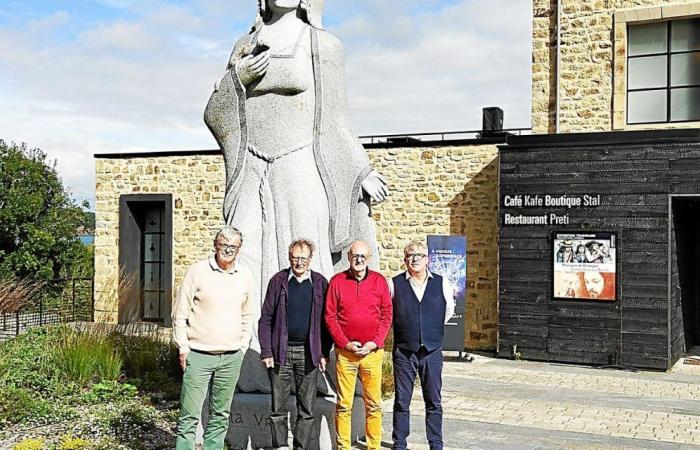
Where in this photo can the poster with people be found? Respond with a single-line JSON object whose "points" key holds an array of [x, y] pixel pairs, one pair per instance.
{"points": [[447, 256], [585, 266]]}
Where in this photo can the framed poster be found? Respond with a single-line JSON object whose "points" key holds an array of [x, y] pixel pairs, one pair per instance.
{"points": [[585, 265], [448, 257]]}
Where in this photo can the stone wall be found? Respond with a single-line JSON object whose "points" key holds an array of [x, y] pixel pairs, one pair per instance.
{"points": [[197, 214], [441, 190], [446, 190], [593, 55]]}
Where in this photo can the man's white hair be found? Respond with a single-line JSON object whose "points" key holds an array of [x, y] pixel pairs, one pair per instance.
{"points": [[228, 233], [415, 244]]}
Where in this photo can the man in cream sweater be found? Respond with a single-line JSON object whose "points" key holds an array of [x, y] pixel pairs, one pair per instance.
{"points": [[213, 318]]}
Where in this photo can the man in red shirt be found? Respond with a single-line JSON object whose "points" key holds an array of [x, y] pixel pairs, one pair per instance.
{"points": [[358, 317]]}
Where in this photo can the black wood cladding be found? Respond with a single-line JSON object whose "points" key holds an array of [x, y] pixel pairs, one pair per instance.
{"points": [[634, 180]]}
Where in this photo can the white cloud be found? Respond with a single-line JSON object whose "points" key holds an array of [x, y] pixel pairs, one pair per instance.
{"points": [[143, 82], [49, 23], [121, 36]]}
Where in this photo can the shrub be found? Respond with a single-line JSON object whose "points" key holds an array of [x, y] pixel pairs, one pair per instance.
{"points": [[30, 444]]}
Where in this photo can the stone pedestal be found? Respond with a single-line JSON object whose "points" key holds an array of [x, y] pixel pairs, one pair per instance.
{"points": [[250, 423], [250, 410]]}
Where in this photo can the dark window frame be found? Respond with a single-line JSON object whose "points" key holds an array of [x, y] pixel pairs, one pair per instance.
{"points": [[668, 88], [160, 263]]}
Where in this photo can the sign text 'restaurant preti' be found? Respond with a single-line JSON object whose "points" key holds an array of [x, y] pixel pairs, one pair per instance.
{"points": [[546, 201]]}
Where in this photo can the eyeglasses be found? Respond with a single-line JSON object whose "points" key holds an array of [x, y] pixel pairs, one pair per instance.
{"points": [[228, 248], [299, 259], [359, 258], [416, 256]]}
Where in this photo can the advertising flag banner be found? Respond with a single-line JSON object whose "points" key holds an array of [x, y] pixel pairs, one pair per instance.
{"points": [[448, 258]]}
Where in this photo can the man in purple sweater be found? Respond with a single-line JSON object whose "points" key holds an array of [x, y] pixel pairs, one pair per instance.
{"points": [[294, 342]]}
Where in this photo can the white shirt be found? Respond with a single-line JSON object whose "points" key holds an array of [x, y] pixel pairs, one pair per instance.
{"points": [[419, 290], [301, 279]]}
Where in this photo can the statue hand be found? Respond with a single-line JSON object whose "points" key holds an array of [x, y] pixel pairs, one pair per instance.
{"points": [[251, 68], [375, 186]]}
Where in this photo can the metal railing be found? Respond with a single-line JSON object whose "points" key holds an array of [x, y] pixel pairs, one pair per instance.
{"points": [[437, 136], [58, 301]]}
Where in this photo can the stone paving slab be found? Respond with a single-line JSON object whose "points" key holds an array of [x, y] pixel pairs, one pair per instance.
{"points": [[502, 404]]}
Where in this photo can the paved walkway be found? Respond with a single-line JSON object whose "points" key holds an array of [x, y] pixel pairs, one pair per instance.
{"points": [[501, 404]]}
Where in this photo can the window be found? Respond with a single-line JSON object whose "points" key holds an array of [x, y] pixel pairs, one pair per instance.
{"points": [[663, 72], [152, 262]]}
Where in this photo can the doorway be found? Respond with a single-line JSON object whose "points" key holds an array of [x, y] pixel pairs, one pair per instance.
{"points": [[145, 258], [686, 268]]}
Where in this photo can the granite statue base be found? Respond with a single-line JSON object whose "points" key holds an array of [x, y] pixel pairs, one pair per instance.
{"points": [[250, 423], [249, 428]]}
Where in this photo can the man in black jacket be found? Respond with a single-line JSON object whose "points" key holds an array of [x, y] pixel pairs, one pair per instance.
{"points": [[294, 343]]}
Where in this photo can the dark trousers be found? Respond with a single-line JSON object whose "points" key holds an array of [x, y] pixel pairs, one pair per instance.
{"points": [[428, 366], [298, 369]]}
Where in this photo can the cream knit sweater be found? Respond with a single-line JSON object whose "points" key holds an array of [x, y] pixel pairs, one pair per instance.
{"points": [[214, 310]]}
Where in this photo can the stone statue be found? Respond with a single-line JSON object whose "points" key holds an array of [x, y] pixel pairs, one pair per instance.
{"points": [[294, 166]]}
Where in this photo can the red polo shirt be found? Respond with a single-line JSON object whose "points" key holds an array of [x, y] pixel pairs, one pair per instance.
{"points": [[358, 310]]}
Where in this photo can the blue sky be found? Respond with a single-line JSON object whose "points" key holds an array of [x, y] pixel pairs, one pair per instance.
{"points": [[100, 76]]}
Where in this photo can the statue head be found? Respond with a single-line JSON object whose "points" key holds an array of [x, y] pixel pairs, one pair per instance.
{"points": [[311, 12]]}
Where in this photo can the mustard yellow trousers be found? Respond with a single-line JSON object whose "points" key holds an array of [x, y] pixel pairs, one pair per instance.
{"points": [[348, 366]]}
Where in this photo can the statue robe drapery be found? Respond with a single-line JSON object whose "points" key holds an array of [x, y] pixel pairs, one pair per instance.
{"points": [[340, 158]]}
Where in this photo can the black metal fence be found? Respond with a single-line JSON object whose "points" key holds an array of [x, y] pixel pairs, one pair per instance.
{"points": [[58, 301], [440, 136]]}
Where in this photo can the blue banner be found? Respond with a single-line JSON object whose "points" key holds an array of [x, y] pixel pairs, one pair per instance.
{"points": [[448, 258]]}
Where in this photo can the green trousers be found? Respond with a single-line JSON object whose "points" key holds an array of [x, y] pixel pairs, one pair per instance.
{"points": [[222, 372]]}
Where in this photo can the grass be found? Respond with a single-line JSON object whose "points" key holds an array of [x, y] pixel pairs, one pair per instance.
{"points": [[16, 294], [88, 357]]}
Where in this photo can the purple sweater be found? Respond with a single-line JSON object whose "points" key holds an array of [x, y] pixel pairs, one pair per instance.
{"points": [[272, 326]]}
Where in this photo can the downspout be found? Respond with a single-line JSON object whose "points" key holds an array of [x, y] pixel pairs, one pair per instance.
{"points": [[558, 69]]}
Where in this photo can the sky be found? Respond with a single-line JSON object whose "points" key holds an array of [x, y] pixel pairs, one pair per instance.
{"points": [[83, 77]]}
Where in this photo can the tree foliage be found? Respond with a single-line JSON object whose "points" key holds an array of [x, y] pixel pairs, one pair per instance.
{"points": [[38, 219]]}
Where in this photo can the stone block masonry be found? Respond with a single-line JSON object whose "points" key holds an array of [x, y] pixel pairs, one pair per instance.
{"points": [[592, 75]]}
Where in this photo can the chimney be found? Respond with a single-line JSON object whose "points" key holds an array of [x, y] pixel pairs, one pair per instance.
{"points": [[492, 120]]}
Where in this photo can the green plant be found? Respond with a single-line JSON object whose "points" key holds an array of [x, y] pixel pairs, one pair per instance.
{"points": [[30, 444], [15, 405], [23, 360], [111, 391], [86, 356], [19, 405], [68, 442], [150, 364], [141, 355], [388, 368]]}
